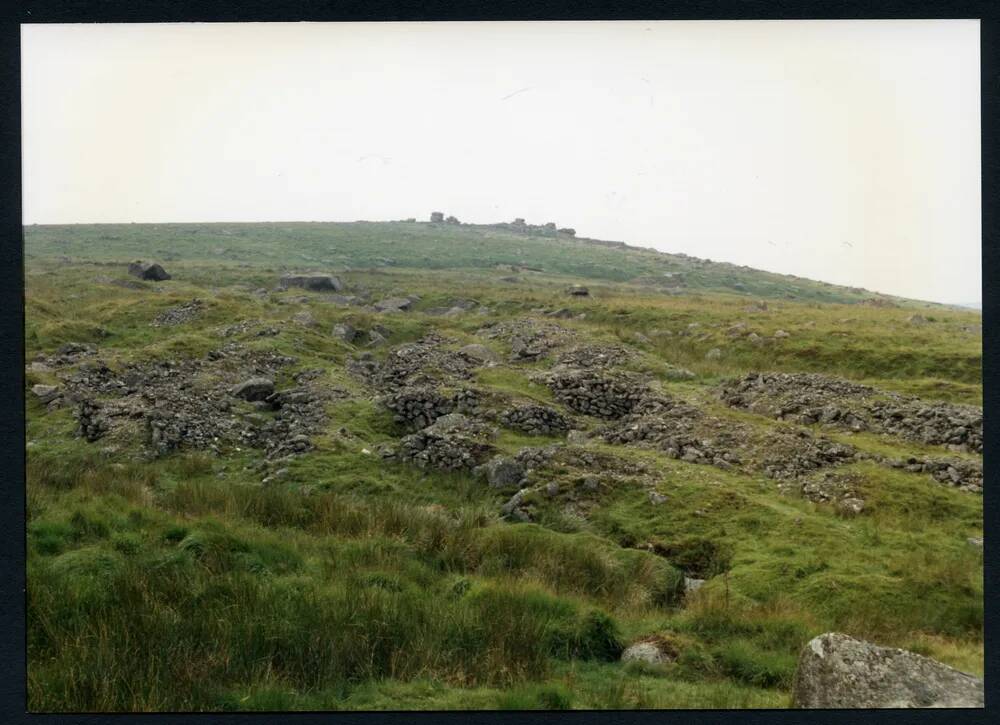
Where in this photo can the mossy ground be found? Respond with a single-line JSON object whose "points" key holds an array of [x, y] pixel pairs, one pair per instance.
{"points": [[182, 584]]}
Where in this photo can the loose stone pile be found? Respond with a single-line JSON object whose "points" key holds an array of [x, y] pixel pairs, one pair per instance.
{"points": [[529, 339], [178, 315], [193, 404], [452, 442], [535, 420], [594, 356], [812, 398], [418, 406], [599, 394], [423, 362]]}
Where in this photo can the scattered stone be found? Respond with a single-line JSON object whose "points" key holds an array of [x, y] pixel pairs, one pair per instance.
{"points": [[837, 671], [148, 271], [577, 437], [713, 354], [657, 498], [977, 542], [552, 489], [578, 290], [917, 320], [178, 315], [305, 318], [781, 334]]}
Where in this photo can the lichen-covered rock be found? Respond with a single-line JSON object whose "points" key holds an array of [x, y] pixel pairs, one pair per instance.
{"points": [[652, 650], [837, 671]]}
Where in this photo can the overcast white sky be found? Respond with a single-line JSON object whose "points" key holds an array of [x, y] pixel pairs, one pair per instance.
{"points": [[846, 151]]}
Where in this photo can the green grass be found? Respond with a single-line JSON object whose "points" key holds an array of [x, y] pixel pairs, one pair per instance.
{"points": [[182, 584]]}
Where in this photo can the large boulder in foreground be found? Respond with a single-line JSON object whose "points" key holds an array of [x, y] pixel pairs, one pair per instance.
{"points": [[148, 270], [313, 282], [837, 671]]}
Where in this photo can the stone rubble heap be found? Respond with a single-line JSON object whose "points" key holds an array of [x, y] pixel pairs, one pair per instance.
{"points": [[535, 420], [809, 398]]}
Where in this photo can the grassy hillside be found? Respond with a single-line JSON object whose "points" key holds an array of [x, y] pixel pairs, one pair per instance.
{"points": [[335, 578], [424, 245]]}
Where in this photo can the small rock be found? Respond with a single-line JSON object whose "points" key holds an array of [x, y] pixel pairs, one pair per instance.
{"points": [[713, 354], [148, 271], [347, 333], [480, 353], [649, 651], [394, 304], [692, 585], [578, 290], [503, 472], [656, 498], [781, 334], [851, 506], [312, 282], [552, 489], [577, 437], [254, 389], [45, 393]]}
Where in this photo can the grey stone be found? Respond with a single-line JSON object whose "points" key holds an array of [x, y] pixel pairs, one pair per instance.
{"points": [[394, 304], [837, 671], [781, 334], [657, 498], [346, 332], [148, 270], [304, 318], [713, 354], [502, 472], [578, 290], [45, 393], [253, 389], [313, 282], [851, 506], [480, 353], [577, 437], [648, 651], [692, 585]]}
